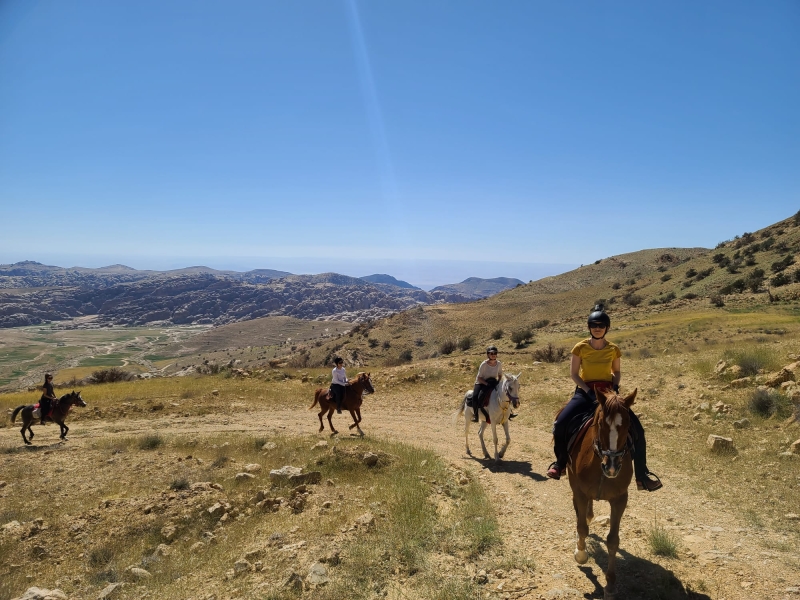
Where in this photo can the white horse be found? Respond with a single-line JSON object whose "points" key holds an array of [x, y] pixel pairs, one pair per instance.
{"points": [[503, 397]]}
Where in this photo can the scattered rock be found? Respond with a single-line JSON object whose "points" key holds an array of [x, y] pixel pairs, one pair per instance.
{"points": [[168, 532], [282, 475], [668, 425], [697, 416], [162, 550], [603, 521], [795, 447], [332, 558], [294, 582], [35, 593], [215, 392], [776, 379], [481, 578], [240, 477], [742, 382], [216, 510], [109, 591], [242, 565], [252, 468], [717, 443], [365, 521], [741, 423], [370, 459], [703, 406], [197, 547], [321, 444], [317, 575], [720, 367], [138, 573], [792, 517], [269, 446]]}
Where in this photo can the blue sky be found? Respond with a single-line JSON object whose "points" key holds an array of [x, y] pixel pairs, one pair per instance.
{"points": [[499, 138]]}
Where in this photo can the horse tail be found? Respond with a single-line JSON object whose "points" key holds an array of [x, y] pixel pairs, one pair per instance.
{"points": [[14, 414], [316, 398]]}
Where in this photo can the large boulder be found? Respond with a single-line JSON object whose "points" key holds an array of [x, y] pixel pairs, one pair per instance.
{"points": [[776, 379]]}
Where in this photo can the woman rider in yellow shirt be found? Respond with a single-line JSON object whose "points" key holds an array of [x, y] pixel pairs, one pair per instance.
{"points": [[596, 366]]}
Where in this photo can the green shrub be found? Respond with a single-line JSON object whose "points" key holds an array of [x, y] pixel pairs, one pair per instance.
{"points": [[666, 277], [465, 343], [632, 299], [768, 402], [753, 360], [405, 356], [521, 336], [497, 334], [151, 442], [663, 542], [691, 272], [550, 353], [447, 347], [780, 279]]}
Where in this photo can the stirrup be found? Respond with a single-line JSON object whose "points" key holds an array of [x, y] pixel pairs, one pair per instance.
{"points": [[554, 471], [649, 484]]}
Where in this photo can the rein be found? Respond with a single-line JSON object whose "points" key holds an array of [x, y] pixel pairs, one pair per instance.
{"points": [[513, 399], [600, 453]]}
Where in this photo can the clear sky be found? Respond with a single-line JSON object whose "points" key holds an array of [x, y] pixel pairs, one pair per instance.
{"points": [[519, 137]]}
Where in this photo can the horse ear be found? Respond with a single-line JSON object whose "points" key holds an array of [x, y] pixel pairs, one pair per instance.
{"points": [[630, 398], [518, 375]]}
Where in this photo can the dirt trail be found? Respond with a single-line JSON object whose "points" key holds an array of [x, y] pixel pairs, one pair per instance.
{"points": [[720, 556]]}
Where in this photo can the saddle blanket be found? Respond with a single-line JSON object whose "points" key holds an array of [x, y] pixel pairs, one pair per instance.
{"points": [[37, 412]]}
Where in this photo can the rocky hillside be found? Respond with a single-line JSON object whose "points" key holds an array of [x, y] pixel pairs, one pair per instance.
{"points": [[209, 299], [31, 274], [477, 288], [388, 280]]}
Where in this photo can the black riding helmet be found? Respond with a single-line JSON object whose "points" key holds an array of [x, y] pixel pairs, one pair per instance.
{"points": [[598, 316], [491, 349]]}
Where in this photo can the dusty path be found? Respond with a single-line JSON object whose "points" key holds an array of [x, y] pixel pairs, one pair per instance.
{"points": [[720, 556]]}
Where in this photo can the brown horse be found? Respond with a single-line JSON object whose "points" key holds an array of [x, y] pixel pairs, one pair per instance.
{"points": [[61, 408], [351, 401], [601, 468]]}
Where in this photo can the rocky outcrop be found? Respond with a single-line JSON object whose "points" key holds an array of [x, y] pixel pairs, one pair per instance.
{"points": [[210, 299]]}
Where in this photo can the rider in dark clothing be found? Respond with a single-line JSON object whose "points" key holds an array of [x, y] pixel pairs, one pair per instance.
{"points": [[48, 396]]}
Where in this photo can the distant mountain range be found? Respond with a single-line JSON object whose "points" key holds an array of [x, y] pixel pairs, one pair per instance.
{"points": [[32, 293], [476, 288]]}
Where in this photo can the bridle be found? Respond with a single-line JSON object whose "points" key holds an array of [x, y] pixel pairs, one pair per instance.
{"points": [[513, 399]]}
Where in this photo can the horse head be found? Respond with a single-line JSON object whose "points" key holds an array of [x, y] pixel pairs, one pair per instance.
{"points": [[77, 400], [511, 388], [613, 421], [363, 378]]}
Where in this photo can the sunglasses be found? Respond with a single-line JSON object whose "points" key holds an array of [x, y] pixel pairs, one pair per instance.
{"points": [[492, 353], [596, 326]]}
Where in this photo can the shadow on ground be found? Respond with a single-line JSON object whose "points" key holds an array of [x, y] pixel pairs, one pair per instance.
{"points": [[636, 577]]}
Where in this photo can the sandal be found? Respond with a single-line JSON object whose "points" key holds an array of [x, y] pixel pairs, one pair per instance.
{"points": [[555, 472], [648, 483]]}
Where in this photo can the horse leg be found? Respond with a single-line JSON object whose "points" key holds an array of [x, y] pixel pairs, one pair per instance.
{"points": [[330, 420], [481, 430], [581, 503], [590, 512], [467, 421], [64, 431], [618, 505], [508, 440], [494, 438], [321, 424], [22, 431]]}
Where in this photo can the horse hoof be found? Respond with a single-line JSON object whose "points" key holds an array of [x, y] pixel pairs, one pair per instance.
{"points": [[334, 433], [581, 556]]}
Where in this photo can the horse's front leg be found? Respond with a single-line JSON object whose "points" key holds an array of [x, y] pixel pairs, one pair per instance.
{"points": [[467, 421], [356, 414], [508, 440], [580, 502], [481, 430], [612, 545], [64, 431], [330, 421]]}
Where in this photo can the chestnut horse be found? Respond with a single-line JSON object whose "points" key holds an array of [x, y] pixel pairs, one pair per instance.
{"points": [[351, 401], [61, 408], [601, 468]]}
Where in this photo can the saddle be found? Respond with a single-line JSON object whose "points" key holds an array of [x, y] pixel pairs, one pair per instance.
{"points": [[37, 411], [483, 400]]}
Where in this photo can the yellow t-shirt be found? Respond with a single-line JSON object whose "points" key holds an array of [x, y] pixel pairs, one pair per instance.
{"points": [[596, 364]]}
